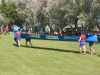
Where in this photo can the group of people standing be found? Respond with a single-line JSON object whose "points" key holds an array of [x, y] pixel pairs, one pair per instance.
{"points": [[4, 29], [17, 36], [82, 44]]}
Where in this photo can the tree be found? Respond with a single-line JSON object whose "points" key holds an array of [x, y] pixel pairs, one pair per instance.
{"points": [[10, 13], [60, 12]]}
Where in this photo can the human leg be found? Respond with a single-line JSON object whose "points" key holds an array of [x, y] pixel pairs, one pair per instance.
{"points": [[19, 43], [92, 50], [90, 46], [82, 44], [30, 43], [80, 49], [15, 39], [27, 40], [8, 32], [26, 43], [5, 32], [84, 49]]}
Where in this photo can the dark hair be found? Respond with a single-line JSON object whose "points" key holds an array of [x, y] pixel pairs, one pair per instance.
{"points": [[82, 32], [19, 29]]}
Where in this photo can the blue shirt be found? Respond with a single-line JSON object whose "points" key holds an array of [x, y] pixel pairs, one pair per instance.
{"points": [[15, 30]]}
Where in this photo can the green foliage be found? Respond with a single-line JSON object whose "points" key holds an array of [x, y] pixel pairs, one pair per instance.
{"points": [[65, 12], [10, 13]]}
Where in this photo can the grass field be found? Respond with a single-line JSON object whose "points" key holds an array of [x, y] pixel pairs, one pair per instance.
{"points": [[46, 58]]}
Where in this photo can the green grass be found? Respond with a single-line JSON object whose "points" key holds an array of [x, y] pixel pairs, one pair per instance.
{"points": [[46, 58]]}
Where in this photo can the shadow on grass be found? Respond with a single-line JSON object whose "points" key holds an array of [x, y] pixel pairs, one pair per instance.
{"points": [[98, 55], [52, 49], [15, 45]]}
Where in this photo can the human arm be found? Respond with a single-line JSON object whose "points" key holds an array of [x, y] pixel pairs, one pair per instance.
{"points": [[79, 39]]}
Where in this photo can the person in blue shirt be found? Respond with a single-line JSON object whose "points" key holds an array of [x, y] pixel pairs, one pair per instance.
{"points": [[15, 30]]}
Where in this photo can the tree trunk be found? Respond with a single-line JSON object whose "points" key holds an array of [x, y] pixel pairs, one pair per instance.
{"points": [[76, 20]]}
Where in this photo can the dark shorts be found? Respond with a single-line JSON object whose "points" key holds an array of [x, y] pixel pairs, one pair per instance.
{"points": [[82, 44], [91, 43], [28, 39]]}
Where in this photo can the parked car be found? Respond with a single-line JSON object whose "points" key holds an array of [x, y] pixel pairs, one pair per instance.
{"points": [[72, 31]]}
